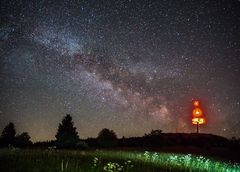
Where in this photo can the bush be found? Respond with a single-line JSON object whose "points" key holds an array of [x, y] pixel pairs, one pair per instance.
{"points": [[107, 138], [82, 145]]}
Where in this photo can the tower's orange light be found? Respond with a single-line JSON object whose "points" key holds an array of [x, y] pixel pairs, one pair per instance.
{"points": [[198, 121], [196, 103], [197, 112], [197, 115]]}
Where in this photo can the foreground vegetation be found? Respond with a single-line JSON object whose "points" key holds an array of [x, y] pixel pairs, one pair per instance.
{"points": [[109, 161]]}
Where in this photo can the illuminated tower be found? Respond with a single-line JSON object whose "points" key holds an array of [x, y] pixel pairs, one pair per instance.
{"points": [[197, 115]]}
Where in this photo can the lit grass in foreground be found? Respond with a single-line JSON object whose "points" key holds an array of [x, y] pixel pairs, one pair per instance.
{"points": [[172, 161], [110, 161]]}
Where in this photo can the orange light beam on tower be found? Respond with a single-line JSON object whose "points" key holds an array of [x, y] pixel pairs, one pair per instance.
{"points": [[196, 103], [197, 115]]}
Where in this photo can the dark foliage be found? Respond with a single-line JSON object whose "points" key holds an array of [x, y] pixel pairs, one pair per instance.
{"points": [[175, 139], [23, 140], [82, 145], [107, 138], [8, 138], [8, 135], [92, 142], [154, 133], [67, 136], [44, 144]]}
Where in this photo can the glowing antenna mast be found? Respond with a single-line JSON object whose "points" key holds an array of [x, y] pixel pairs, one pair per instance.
{"points": [[197, 115]]}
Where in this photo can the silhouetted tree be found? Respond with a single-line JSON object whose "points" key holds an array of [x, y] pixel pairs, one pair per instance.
{"points": [[67, 136], [44, 144], [23, 140], [154, 133], [107, 138], [8, 135]]}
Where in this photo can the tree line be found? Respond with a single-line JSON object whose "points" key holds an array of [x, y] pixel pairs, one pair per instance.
{"points": [[66, 137], [9, 138]]}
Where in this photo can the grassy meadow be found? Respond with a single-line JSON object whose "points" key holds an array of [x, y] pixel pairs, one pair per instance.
{"points": [[107, 161]]}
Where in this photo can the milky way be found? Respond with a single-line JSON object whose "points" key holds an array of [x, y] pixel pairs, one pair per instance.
{"points": [[129, 66]]}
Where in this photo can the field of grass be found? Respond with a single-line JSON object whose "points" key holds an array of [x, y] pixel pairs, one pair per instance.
{"points": [[107, 161]]}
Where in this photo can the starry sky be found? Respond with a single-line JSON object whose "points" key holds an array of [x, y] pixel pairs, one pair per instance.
{"points": [[127, 65]]}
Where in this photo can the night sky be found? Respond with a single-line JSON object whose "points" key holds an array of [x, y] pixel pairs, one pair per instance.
{"points": [[130, 66]]}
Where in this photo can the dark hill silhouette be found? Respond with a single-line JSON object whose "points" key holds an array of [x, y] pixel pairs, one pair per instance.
{"points": [[202, 140], [173, 139], [200, 144]]}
